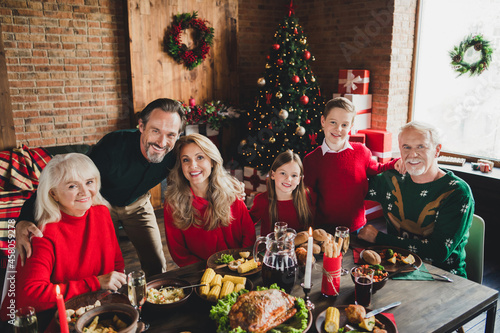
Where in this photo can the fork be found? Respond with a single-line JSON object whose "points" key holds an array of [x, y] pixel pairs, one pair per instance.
{"points": [[439, 275]]}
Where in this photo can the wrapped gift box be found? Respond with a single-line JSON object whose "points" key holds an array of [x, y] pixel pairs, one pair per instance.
{"points": [[354, 81], [358, 137], [373, 210], [236, 172], [254, 181], [379, 142], [363, 105]]}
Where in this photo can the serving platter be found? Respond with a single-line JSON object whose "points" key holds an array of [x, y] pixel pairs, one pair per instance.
{"points": [[394, 267], [320, 320], [223, 269]]}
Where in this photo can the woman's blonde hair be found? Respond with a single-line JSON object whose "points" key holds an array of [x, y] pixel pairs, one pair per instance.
{"points": [[299, 195], [223, 189], [61, 169]]}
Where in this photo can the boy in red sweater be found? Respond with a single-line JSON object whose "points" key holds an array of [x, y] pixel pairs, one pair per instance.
{"points": [[338, 170]]}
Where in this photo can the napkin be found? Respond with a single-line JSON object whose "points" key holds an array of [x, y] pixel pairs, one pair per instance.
{"points": [[391, 317], [415, 275]]}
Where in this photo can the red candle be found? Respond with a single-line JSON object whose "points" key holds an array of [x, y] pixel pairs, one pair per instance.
{"points": [[192, 102], [63, 323]]}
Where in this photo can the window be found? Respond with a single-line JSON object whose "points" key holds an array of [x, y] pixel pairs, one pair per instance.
{"points": [[466, 109]]}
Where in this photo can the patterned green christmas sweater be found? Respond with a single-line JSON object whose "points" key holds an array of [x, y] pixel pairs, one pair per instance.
{"points": [[431, 220]]}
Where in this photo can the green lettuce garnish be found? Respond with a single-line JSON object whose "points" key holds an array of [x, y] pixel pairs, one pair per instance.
{"points": [[220, 313]]}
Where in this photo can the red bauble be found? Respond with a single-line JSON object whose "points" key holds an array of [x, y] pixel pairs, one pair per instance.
{"points": [[308, 121], [295, 31], [279, 62], [295, 79], [276, 46], [250, 125], [268, 57], [304, 100], [306, 55]]}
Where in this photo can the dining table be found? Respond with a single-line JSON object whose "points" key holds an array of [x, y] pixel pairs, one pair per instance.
{"points": [[426, 306]]}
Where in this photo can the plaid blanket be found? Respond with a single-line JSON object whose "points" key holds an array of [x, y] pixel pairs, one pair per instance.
{"points": [[20, 169]]}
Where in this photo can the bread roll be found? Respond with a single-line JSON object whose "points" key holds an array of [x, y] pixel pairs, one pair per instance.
{"points": [[301, 238], [316, 249], [320, 235], [371, 257]]}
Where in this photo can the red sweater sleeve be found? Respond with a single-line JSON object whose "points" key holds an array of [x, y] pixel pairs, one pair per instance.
{"points": [[246, 224], [374, 168], [36, 289], [176, 243], [310, 174]]}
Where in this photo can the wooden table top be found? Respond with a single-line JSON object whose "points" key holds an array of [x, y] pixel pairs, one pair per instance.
{"points": [[427, 306]]}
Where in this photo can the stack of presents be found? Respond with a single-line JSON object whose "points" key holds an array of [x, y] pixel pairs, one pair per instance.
{"points": [[353, 85]]}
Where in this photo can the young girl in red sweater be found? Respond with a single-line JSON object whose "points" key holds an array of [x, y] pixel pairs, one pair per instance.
{"points": [[338, 171], [203, 213], [287, 199]]}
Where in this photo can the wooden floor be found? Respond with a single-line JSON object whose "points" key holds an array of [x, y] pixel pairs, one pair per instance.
{"points": [[491, 276]]}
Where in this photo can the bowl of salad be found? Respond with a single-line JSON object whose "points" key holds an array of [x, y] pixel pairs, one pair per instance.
{"points": [[379, 276]]}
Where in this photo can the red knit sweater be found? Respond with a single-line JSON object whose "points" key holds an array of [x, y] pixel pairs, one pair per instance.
{"points": [[196, 244], [341, 183], [286, 212], [71, 253]]}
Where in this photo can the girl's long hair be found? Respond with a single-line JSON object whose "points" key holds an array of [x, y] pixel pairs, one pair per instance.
{"points": [[223, 189], [61, 169], [299, 195]]}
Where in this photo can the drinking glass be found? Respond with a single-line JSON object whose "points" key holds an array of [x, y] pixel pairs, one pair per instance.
{"points": [[25, 321], [280, 229], [137, 293], [363, 285], [342, 232]]}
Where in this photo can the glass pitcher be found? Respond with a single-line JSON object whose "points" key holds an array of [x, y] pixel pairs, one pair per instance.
{"points": [[279, 264]]}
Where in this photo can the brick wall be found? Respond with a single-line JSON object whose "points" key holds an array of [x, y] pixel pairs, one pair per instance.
{"points": [[67, 65]]}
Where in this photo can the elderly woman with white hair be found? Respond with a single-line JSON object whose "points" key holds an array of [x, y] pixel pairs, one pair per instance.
{"points": [[79, 250]]}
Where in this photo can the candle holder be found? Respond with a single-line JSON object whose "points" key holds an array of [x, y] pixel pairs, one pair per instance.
{"points": [[309, 304]]}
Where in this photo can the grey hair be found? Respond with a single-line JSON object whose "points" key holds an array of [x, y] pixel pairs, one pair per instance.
{"points": [[423, 128]]}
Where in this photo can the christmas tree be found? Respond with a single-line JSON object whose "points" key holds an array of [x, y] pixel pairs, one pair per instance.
{"points": [[288, 107]]}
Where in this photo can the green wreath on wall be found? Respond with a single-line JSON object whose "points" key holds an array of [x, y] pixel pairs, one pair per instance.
{"points": [[203, 39], [476, 68]]}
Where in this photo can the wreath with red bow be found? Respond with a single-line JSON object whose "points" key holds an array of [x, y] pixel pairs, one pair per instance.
{"points": [[203, 39]]}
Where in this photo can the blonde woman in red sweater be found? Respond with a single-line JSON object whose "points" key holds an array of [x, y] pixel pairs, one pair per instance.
{"points": [[287, 199], [203, 213], [79, 250], [338, 170]]}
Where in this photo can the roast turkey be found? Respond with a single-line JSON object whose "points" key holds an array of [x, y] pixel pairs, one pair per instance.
{"points": [[259, 311]]}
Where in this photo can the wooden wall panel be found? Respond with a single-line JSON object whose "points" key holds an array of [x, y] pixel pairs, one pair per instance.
{"points": [[7, 133], [155, 74]]}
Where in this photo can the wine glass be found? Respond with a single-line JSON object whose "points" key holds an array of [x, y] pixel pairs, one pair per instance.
{"points": [[137, 293], [25, 320], [342, 232]]}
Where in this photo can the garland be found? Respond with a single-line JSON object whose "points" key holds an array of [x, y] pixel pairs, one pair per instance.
{"points": [[204, 36], [480, 45]]}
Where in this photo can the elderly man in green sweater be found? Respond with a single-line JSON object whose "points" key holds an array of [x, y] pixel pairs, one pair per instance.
{"points": [[428, 210], [130, 162]]}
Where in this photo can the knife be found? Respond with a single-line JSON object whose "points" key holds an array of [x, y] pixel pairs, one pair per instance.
{"points": [[377, 311], [398, 270]]}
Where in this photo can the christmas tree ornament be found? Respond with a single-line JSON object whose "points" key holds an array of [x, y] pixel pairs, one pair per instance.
{"points": [[279, 62], [276, 47], [268, 66], [291, 109], [243, 142], [295, 31], [262, 116], [250, 125], [270, 126], [305, 81], [304, 99], [272, 139], [286, 139], [300, 131], [306, 55], [313, 79], [295, 79], [303, 41], [292, 63], [308, 121], [283, 114], [268, 57], [312, 58], [279, 94], [261, 82]]}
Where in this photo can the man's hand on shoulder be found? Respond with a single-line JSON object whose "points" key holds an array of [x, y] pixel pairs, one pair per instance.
{"points": [[400, 167], [24, 231], [368, 233]]}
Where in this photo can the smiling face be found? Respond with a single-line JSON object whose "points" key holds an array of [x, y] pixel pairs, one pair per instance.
{"points": [[286, 179], [196, 166], [419, 154], [75, 196], [336, 126], [159, 134]]}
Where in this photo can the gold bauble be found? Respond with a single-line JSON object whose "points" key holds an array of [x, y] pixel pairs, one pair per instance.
{"points": [[262, 116], [279, 94], [300, 131], [243, 142], [272, 139], [313, 79], [292, 63], [268, 66], [303, 41], [286, 139], [312, 58], [261, 82], [283, 114]]}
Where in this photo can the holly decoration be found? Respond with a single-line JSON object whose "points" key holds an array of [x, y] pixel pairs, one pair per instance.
{"points": [[203, 40], [480, 45]]}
